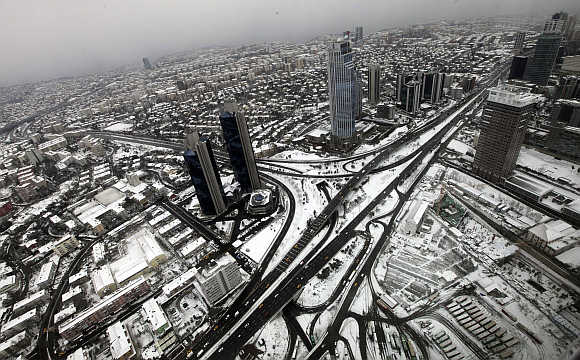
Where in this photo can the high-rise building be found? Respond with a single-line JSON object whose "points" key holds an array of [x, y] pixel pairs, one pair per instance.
{"points": [[374, 78], [205, 177], [432, 86], [191, 138], [564, 136], [344, 96], [569, 87], [239, 146], [147, 64], [411, 97], [358, 33], [518, 67], [519, 40], [504, 122], [539, 68], [557, 24], [402, 80]]}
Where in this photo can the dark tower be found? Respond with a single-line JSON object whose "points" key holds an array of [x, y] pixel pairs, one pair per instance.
{"points": [[239, 146]]}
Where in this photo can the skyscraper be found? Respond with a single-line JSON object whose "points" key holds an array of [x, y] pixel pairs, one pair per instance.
{"points": [[147, 64], [358, 33], [519, 40], [374, 82], [432, 87], [411, 97], [539, 68], [191, 139], [518, 67], [557, 24], [205, 177], [343, 90], [239, 146], [504, 122]]}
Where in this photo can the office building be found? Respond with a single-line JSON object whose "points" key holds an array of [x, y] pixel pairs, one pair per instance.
{"points": [[518, 67], [374, 79], [564, 135], [191, 139], [411, 97], [432, 86], [504, 121], [519, 40], [343, 90], [557, 24], [239, 146], [569, 87], [205, 177], [358, 33], [571, 64], [539, 68], [218, 279]]}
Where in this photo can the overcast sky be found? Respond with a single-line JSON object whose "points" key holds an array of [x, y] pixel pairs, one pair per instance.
{"points": [[43, 39]]}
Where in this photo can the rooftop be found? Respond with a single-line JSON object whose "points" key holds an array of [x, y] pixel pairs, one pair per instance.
{"points": [[512, 95]]}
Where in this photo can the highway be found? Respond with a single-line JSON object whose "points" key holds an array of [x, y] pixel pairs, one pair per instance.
{"points": [[273, 300]]}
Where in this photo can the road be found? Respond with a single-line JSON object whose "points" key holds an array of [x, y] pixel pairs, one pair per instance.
{"points": [[273, 300]]}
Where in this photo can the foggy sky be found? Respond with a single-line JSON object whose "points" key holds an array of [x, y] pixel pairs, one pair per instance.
{"points": [[43, 39]]}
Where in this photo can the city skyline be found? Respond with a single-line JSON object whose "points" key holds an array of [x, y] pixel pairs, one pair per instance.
{"points": [[399, 194], [153, 31]]}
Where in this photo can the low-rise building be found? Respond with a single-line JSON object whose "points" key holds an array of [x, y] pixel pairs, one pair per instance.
{"points": [[415, 216], [79, 354], [34, 300], [218, 279], [106, 308], [11, 347], [553, 237], [103, 281], [66, 244], [54, 144], [20, 323], [46, 275], [120, 342], [78, 278]]}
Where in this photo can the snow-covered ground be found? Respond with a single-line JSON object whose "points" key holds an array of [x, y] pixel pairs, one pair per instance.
{"points": [[549, 165], [319, 289], [273, 339], [120, 126]]}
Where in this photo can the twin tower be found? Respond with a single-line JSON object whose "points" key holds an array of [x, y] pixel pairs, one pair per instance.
{"points": [[202, 165]]}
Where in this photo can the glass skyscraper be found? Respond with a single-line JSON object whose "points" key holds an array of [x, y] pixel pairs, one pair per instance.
{"points": [[344, 96], [239, 146], [205, 177]]}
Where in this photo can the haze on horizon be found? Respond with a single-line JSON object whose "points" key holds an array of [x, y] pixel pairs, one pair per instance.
{"points": [[47, 39]]}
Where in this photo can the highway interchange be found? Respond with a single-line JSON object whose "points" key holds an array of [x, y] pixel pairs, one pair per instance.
{"points": [[269, 293]]}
